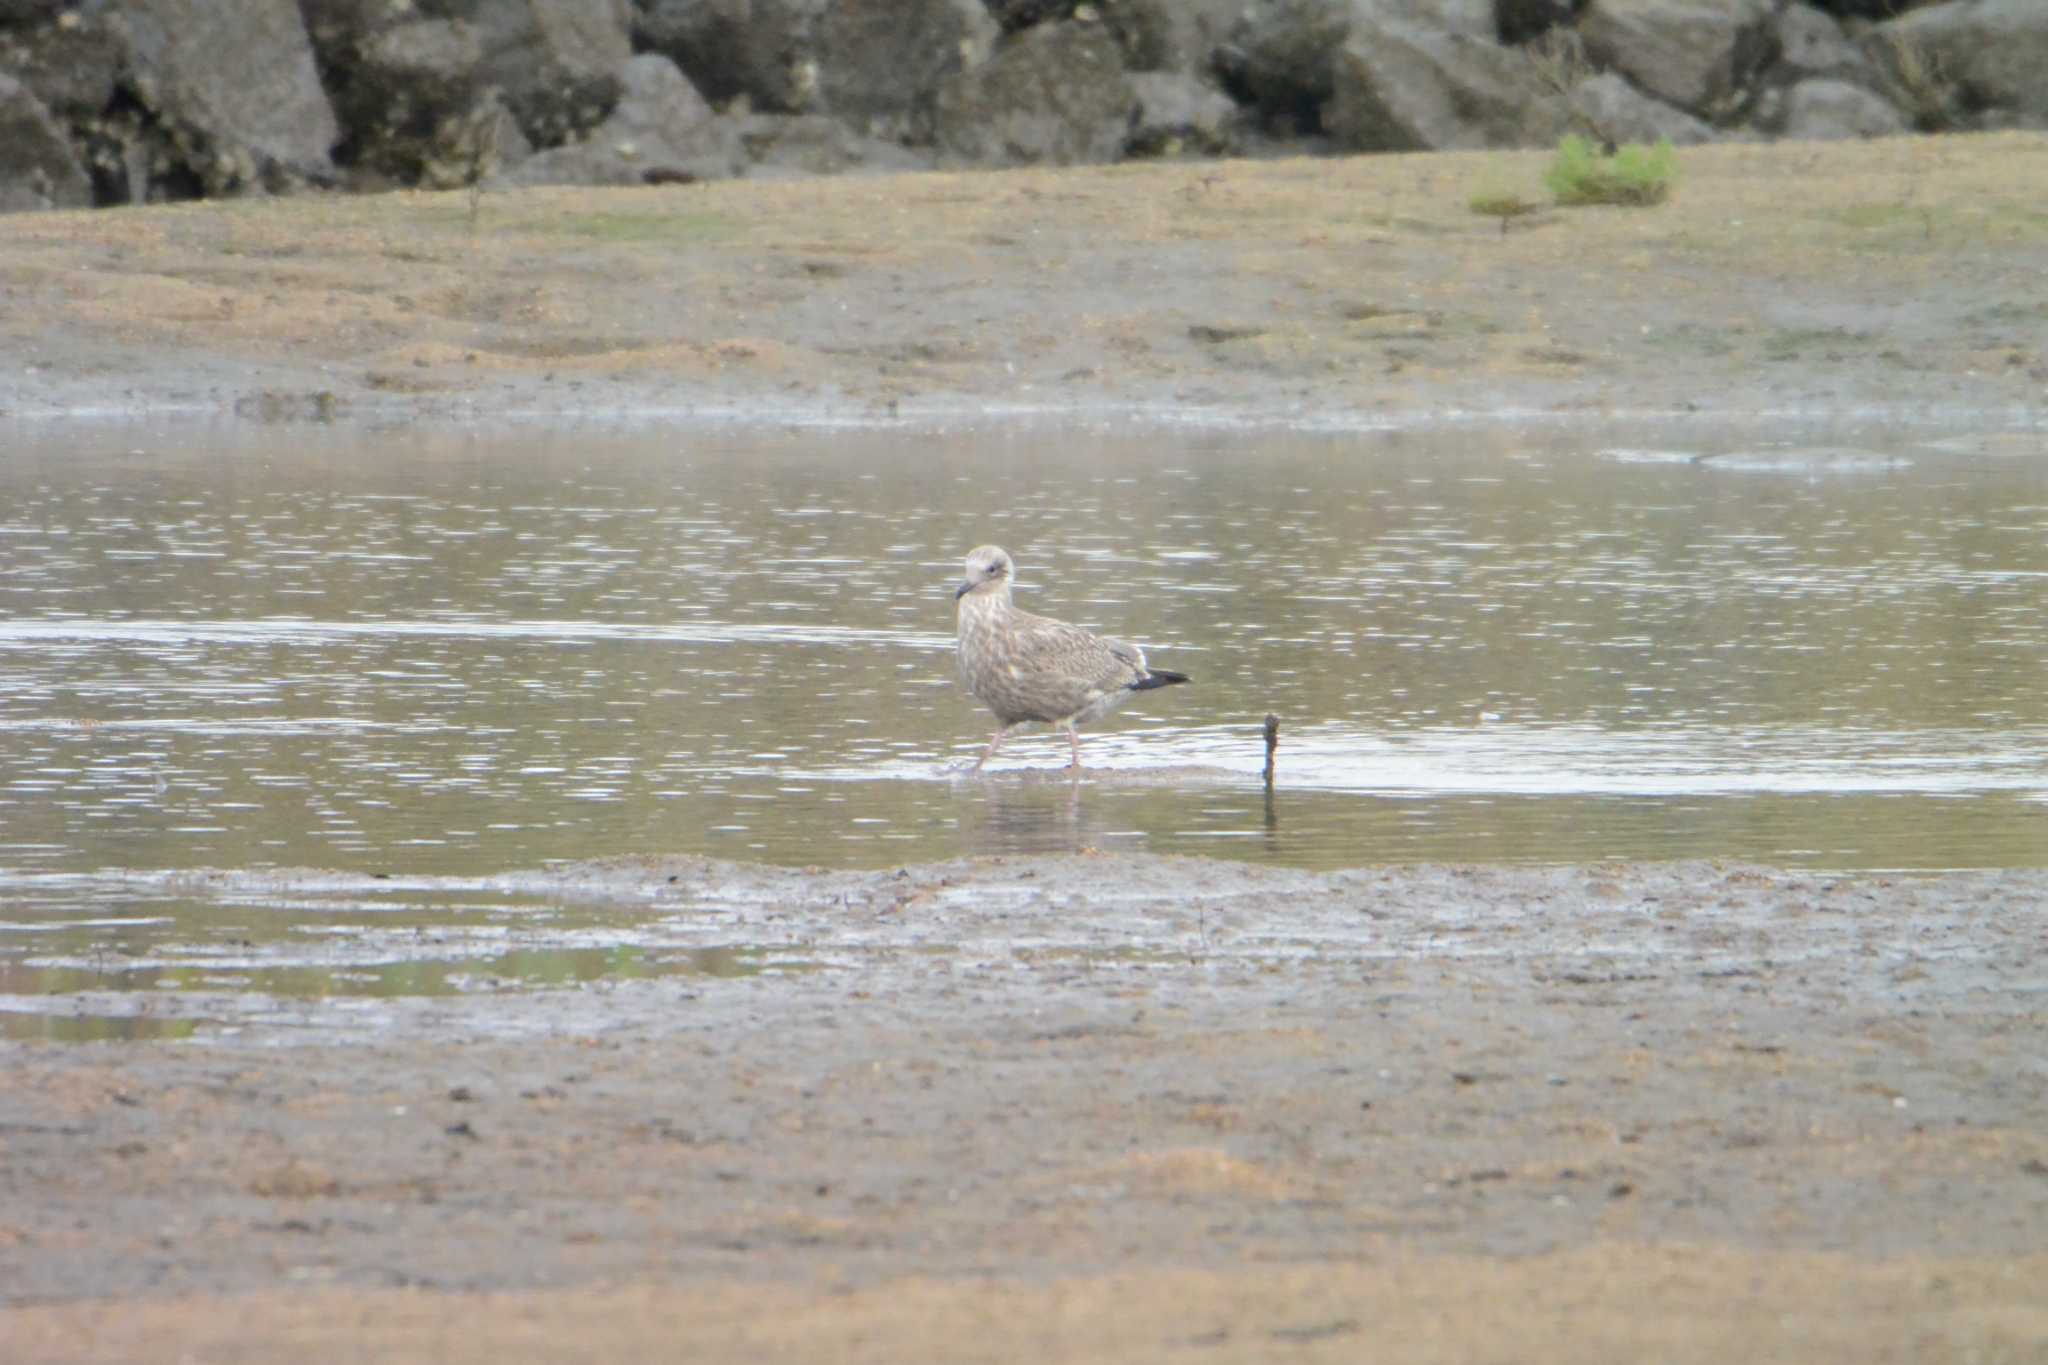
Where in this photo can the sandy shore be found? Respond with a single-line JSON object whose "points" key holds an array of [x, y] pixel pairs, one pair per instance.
{"points": [[1090, 1108], [1900, 277], [1114, 1109]]}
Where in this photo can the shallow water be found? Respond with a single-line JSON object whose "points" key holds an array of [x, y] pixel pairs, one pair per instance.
{"points": [[393, 652]]}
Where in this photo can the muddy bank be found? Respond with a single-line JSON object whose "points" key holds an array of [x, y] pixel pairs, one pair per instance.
{"points": [[1094, 1108], [1137, 1089], [1895, 277], [1618, 1303]]}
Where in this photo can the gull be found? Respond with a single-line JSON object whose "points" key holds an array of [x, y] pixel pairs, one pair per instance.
{"points": [[1029, 668]]}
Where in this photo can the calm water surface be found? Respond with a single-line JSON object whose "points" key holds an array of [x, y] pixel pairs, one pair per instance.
{"points": [[438, 654]]}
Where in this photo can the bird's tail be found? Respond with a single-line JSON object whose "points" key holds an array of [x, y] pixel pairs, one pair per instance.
{"points": [[1157, 677]]}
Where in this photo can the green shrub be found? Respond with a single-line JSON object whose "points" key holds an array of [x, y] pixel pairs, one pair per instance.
{"points": [[1635, 174]]}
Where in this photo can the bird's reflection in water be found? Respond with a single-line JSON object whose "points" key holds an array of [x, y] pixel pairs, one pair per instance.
{"points": [[1049, 811], [1030, 813]]}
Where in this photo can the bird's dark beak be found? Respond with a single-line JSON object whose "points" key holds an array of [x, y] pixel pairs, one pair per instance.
{"points": [[966, 586]]}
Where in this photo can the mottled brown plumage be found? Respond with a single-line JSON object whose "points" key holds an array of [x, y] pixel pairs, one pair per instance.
{"points": [[1029, 668]]}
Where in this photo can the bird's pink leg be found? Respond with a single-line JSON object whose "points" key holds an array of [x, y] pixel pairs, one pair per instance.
{"points": [[995, 742], [1074, 737]]}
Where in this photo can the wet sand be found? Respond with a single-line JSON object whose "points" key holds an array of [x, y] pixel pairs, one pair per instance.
{"points": [[1834, 280], [1097, 1108], [1100, 1108]]}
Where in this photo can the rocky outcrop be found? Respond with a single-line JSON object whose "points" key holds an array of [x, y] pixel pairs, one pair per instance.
{"points": [[1290, 59], [1822, 108], [555, 63], [1403, 86], [443, 94], [38, 169], [1171, 35], [887, 60], [1811, 43], [873, 64], [417, 108], [762, 51], [1700, 55], [1526, 21], [781, 145], [168, 99], [232, 88], [1279, 58], [663, 132], [1177, 115], [1985, 58], [1052, 94], [156, 99], [660, 130], [1611, 109], [72, 64]]}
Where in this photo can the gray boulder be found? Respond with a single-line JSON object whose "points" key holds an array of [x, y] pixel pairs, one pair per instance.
{"points": [[73, 63], [663, 132], [1178, 115], [1811, 43], [1279, 53], [1056, 93], [414, 74], [762, 51], [1823, 109], [1866, 9], [554, 62], [23, 12], [873, 63], [232, 84], [1986, 57], [778, 146], [1524, 21], [1400, 86], [37, 167], [421, 86], [1021, 14], [1701, 55], [881, 62], [416, 105], [1475, 19], [1155, 35], [1617, 112], [660, 129], [1172, 35]]}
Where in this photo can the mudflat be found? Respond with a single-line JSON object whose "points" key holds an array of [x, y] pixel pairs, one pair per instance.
{"points": [[1901, 276], [1099, 1108], [1115, 1107]]}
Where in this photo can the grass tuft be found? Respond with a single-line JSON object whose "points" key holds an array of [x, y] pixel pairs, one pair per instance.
{"points": [[1635, 174]]}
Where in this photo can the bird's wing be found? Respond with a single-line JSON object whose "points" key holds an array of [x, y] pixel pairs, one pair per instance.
{"points": [[1082, 660]]}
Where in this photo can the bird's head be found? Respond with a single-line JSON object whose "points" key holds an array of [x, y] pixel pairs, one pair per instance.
{"points": [[987, 564]]}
